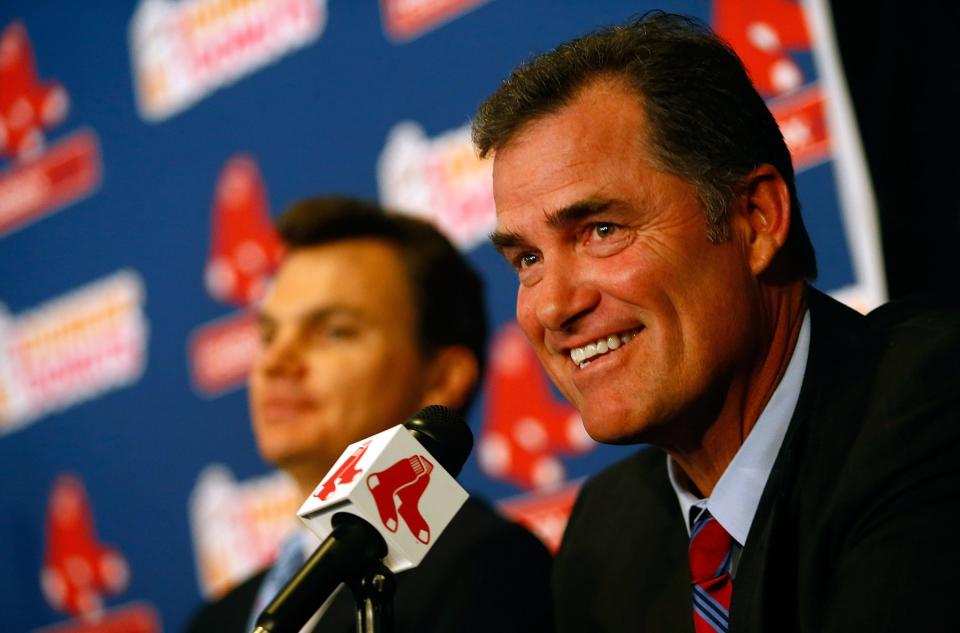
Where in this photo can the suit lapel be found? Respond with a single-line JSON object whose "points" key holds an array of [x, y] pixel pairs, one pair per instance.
{"points": [[765, 589], [662, 562]]}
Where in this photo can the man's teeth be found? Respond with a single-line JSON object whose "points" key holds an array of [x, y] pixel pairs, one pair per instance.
{"points": [[581, 355]]}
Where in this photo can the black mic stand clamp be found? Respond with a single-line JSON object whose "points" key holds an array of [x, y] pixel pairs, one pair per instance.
{"points": [[373, 593]]}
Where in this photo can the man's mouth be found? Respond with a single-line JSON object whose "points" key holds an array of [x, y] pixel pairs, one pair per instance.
{"points": [[604, 345], [286, 407]]}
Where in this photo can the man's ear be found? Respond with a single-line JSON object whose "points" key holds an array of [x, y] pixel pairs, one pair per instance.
{"points": [[762, 217], [452, 374]]}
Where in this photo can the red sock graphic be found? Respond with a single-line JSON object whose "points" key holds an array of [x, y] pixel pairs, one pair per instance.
{"points": [[78, 569], [525, 427], [384, 484], [27, 105], [764, 33], [244, 249], [344, 475], [409, 510]]}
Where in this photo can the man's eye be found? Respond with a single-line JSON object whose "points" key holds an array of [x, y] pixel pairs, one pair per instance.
{"points": [[336, 331], [526, 260], [603, 230], [266, 335]]}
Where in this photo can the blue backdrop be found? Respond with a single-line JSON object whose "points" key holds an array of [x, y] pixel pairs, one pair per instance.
{"points": [[124, 128]]}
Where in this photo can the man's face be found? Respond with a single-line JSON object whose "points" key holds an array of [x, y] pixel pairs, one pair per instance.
{"points": [[339, 359], [614, 253]]}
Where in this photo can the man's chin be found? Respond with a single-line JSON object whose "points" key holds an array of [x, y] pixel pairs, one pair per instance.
{"points": [[604, 431], [617, 428], [307, 472], [296, 461]]}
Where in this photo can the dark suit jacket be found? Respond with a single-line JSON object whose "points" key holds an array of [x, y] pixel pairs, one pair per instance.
{"points": [[483, 574], [855, 528]]}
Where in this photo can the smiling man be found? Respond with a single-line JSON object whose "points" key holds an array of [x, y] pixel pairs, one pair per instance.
{"points": [[372, 316], [646, 199]]}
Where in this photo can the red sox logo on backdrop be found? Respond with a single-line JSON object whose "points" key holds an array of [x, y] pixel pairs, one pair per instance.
{"points": [[40, 179], [244, 253], [79, 570], [765, 34], [407, 19], [525, 428]]}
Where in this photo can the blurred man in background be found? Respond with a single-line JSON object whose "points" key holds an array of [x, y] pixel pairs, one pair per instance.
{"points": [[371, 317], [806, 455]]}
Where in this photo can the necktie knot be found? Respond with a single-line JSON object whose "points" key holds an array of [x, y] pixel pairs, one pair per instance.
{"points": [[289, 559], [710, 549]]}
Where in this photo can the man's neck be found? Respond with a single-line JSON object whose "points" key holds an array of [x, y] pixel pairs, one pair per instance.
{"points": [[704, 457]]}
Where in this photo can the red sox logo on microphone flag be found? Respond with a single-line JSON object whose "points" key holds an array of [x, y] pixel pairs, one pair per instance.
{"points": [[346, 473], [397, 491], [387, 480]]}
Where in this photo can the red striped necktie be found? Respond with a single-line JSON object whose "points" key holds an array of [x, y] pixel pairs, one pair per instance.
{"points": [[710, 556]]}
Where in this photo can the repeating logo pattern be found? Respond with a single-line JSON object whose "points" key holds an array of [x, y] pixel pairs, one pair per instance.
{"points": [[244, 252], [237, 526], [40, 179], [440, 180], [90, 341], [79, 571], [523, 436], [407, 19], [73, 348], [183, 51]]}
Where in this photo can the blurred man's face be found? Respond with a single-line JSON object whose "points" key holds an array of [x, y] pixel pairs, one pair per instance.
{"points": [[339, 359], [616, 269]]}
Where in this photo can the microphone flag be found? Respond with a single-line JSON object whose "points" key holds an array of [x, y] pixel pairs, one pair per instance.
{"points": [[393, 483]]}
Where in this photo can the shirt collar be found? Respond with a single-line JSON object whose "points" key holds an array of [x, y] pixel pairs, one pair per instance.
{"points": [[737, 494]]}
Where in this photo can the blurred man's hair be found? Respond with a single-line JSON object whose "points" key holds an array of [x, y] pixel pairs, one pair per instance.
{"points": [[447, 296]]}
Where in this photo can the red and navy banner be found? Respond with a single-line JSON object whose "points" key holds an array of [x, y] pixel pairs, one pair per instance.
{"points": [[144, 149]]}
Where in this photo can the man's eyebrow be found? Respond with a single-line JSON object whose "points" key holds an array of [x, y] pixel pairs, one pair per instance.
{"points": [[263, 319], [558, 219], [321, 314], [313, 315], [505, 239], [578, 211]]}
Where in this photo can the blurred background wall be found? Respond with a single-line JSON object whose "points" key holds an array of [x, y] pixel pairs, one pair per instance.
{"points": [[144, 148]]}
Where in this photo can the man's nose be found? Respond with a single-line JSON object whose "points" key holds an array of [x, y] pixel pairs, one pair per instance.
{"points": [[563, 297], [282, 356]]}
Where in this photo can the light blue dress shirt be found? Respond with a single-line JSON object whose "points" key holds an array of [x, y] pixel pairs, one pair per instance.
{"points": [[737, 494]]}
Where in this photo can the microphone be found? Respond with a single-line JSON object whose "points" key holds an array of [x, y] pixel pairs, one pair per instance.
{"points": [[387, 497]]}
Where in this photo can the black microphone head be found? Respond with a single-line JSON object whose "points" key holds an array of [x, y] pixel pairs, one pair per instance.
{"points": [[445, 435]]}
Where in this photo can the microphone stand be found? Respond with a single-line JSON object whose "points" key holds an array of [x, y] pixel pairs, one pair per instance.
{"points": [[373, 593], [352, 555]]}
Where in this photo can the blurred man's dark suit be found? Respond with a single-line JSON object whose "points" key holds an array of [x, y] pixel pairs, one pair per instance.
{"points": [[855, 528], [483, 574]]}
